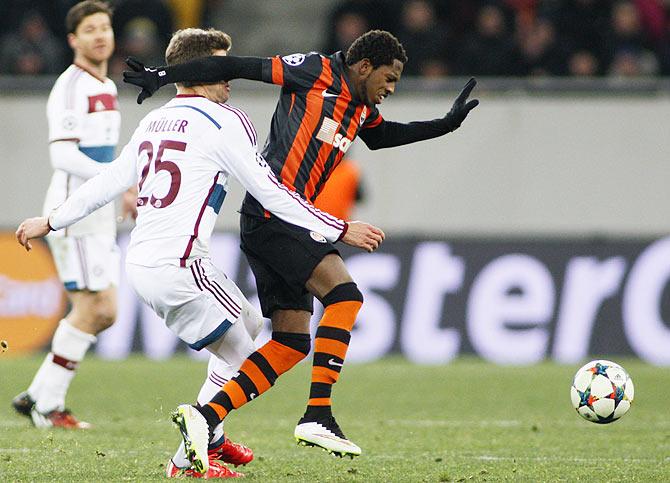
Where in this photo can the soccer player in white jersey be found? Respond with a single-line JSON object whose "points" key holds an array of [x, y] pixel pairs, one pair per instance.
{"points": [[181, 157], [84, 126]]}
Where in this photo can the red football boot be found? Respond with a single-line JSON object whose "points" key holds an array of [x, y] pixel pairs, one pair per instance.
{"points": [[233, 453], [58, 419], [216, 470]]}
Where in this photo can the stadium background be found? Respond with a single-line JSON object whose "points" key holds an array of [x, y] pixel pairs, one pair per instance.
{"points": [[536, 231]]}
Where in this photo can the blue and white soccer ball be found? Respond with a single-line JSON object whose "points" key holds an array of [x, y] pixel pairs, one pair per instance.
{"points": [[602, 391]]}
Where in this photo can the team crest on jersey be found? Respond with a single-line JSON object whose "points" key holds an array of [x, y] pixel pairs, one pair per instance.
{"points": [[363, 115], [317, 237], [294, 59]]}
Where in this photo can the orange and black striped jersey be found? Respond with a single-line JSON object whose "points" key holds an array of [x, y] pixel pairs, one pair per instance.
{"points": [[316, 119]]}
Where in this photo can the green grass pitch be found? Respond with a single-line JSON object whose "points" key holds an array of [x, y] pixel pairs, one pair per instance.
{"points": [[466, 421]]}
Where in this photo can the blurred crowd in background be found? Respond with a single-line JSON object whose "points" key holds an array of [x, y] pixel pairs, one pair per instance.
{"points": [[442, 37]]}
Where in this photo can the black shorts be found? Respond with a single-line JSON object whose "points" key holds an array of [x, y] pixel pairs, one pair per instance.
{"points": [[282, 257]]}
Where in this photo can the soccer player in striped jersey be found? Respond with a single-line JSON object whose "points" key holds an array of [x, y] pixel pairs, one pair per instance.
{"points": [[325, 103], [84, 122], [181, 157]]}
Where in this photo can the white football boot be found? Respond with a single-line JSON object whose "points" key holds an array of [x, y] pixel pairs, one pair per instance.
{"points": [[195, 432], [325, 434]]}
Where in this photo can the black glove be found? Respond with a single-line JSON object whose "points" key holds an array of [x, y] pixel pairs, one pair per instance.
{"points": [[461, 109], [150, 79]]}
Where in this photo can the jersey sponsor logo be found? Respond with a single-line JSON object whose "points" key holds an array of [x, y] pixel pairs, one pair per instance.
{"points": [[325, 93], [328, 133], [364, 114], [342, 143], [294, 59], [317, 237], [102, 102], [329, 128]]}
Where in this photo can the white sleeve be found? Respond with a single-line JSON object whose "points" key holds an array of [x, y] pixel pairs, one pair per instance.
{"points": [[120, 175], [239, 157], [66, 110], [65, 155]]}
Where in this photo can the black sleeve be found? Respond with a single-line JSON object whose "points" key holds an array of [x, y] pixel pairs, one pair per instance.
{"points": [[389, 134], [296, 72], [216, 68]]}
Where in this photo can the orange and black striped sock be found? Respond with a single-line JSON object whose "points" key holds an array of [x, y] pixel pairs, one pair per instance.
{"points": [[257, 374], [331, 343]]}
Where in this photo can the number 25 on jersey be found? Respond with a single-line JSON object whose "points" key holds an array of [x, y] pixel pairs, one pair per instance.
{"points": [[159, 164]]}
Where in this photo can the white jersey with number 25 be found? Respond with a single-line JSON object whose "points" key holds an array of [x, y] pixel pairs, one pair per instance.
{"points": [[181, 157]]}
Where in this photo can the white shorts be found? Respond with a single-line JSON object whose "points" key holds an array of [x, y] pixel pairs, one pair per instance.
{"points": [[89, 262], [198, 303]]}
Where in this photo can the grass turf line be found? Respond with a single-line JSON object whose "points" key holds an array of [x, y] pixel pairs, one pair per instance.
{"points": [[466, 421]]}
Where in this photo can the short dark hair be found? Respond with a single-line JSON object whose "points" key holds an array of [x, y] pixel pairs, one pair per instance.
{"points": [[192, 43], [82, 10], [379, 46]]}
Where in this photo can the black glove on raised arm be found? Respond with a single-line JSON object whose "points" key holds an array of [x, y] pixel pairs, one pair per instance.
{"points": [[150, 79], [214, 68], [460, 109], [389, 134]]}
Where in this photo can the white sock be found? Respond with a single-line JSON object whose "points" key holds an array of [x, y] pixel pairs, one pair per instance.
{"points": [[50, 385], [35, 388], [218, 373]]}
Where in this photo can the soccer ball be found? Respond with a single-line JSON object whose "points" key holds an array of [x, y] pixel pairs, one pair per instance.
{"points": [[602, 391]]}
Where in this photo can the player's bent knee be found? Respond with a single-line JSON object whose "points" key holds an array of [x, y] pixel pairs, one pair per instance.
{"points": [[104, 314], [234, 346], [299, 342], [345, 292]]}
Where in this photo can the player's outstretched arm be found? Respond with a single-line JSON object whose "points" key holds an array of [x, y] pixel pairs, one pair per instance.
{"points": [[119, 176], [30, 229], [461, 107], [206, 69], [94, 193], [389, 134], [66, 156], [363, 235]]}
